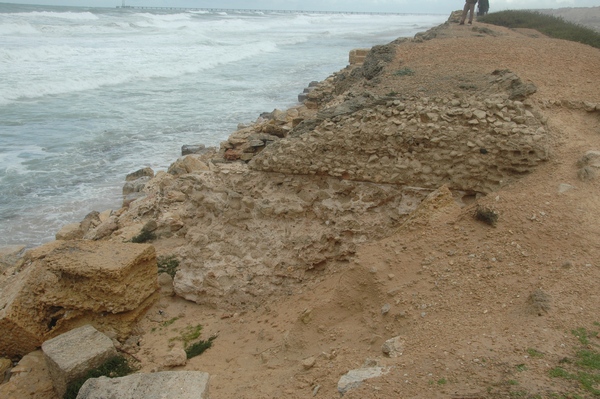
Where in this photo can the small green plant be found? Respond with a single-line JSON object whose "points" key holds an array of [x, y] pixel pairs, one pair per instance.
{"points": [[191, 334], [513, 382], [521, 367], [559, 372], [585, 368], [584, 335], [486, 215], [588, 359], [404, 72], [115, 367], [534, 353], [168, 264], [143, 237], [442, 381], [199, 347], [169, 322]]}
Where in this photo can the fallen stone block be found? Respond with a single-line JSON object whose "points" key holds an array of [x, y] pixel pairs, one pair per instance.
{"points": [[71, 355], [66, 284], [101, 276], [166, 384]]}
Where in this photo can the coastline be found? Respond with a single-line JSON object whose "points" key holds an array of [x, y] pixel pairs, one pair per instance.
{"points": [[306, 239]]}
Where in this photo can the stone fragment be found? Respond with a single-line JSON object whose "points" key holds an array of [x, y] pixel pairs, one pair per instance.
{"points": [[9, 255], [176, 357], [309, 363], [71, 231], [193, 149], [187, 164], [29, 379], [564, 187], [393, 347], [145, 172], [354, 378], [166, 384], [5, 365], [71, 355]]}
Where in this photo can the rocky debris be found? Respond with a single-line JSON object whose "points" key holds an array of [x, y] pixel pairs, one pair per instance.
{"points": [[589, 166], [144, 172], [198, 149], [175, 358], [9, 256], [5, 366], [166, 384], [309, 363], [539, 302], [393, 347], [247, 141], [29, 379], [304, 95], [70, 231], [187, 164], [71, 355], [354, 378], [64, 284]]}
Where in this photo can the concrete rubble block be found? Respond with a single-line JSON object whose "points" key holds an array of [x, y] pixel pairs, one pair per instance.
{"points": [[353, 378], [71, 355], [166, 384], [101, 276]]}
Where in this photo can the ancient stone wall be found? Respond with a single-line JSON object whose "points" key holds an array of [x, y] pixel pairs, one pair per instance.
{"points": [[477, 144]]}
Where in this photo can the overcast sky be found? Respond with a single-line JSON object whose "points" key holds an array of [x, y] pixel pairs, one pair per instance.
{"points": [[402, 6]]}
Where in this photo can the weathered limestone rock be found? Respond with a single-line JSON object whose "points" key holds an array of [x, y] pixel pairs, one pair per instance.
{"points": [[194, 149], [353, 378], [70, 231], [187, 164], [145, 172], [29, 379], [9, 255], [65, 284], [100, 277], [21, 323], [166, 384], [176, 357], [71, 355], [589, 166], [393, 347]]}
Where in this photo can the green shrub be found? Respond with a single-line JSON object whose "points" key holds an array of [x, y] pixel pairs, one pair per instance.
{"points": [[199, 347], [547, 24], [115, 367], [143, 237], [168, 264]]}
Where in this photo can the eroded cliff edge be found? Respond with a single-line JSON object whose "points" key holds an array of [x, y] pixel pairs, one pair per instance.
{"points": [[300, 198]]}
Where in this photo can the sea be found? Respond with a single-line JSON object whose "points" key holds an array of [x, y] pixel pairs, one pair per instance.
{"points": [[88, 95]]}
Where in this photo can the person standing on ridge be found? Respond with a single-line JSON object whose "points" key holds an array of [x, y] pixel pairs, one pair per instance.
{"points": [[469, 8], [483, 7]]}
